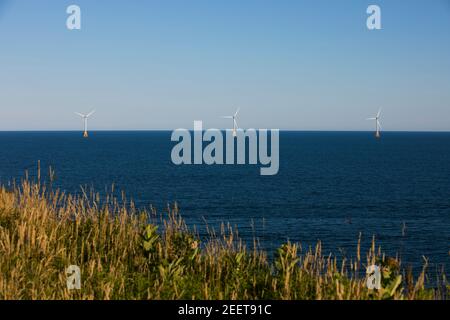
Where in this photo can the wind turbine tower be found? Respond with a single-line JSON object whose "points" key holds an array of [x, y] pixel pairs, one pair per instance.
{"points": [[377, 124], [235, 124], [85, 120]]}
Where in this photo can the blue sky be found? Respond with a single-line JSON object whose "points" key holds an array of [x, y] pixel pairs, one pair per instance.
{"points": [[305, 65]]}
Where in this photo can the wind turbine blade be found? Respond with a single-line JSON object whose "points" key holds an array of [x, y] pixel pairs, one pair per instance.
{"points": [[237, 112], [371, 119], [379, 113], [81, 115], [235, 124], [379, 125], [227, 117], [90, 114]]}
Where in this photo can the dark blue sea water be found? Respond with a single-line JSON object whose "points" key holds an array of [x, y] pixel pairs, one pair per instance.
{"points": [[331, 185]]}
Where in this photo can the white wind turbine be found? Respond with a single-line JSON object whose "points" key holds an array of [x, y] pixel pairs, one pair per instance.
{"points": [[377, 124], [235, 125], [85, 119]]}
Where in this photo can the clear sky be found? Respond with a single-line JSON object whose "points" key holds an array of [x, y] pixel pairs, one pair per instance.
{"points": [[305, 65]]}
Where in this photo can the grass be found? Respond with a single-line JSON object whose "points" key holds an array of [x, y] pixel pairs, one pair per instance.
{"points": [[123, 254]]}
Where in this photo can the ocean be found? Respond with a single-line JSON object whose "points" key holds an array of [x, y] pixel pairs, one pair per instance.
{"points": [[331, 186]]}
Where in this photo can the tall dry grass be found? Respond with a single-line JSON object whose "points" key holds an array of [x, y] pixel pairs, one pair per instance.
{"points": [[123, 256]]}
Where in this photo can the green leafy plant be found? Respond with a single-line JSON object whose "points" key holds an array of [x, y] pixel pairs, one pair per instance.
{"points": [[150, 238], [124, 254]]}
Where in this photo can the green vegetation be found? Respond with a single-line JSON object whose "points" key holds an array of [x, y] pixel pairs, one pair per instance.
{"points": [[123, 256]]}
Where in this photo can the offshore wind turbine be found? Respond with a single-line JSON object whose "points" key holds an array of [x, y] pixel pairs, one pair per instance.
{"points": [[235, 124], [377, 124], [85, 119]]}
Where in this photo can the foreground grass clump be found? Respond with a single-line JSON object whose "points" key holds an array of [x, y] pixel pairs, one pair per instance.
{"points": [[122, 254]]}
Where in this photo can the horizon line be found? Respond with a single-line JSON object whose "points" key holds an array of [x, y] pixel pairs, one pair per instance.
{"points": [[281, 130]]}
